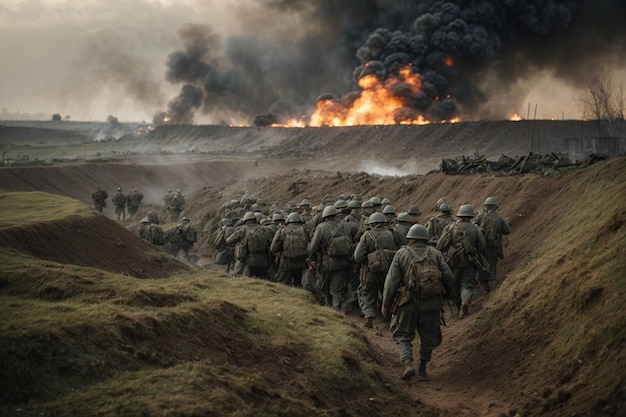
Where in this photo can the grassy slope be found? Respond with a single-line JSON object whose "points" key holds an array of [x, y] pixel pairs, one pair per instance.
{"points": [[560, 318], [80, 341]]}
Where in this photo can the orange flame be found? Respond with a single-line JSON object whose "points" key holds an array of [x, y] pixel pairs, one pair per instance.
{"points": [[377, 104], [515, 118]]}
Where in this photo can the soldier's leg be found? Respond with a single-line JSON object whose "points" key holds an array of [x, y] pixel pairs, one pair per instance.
{"points": [[368, 295], [491, 254], [337, 288], [430, 337], [468, 289], [239, 267], [403, 335]]}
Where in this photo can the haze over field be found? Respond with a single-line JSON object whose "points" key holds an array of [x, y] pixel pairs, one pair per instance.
{"points": [[228, 62]]}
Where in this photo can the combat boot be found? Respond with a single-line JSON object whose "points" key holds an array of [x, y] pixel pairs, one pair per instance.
{"points": [[367, 322], [409, 371], [422, 376]]}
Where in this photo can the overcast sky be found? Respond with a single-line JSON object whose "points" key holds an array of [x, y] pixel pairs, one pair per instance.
{"points": [[89, 59]]}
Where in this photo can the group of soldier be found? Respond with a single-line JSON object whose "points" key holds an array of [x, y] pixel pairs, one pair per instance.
{"points": [[361, 254], [121, 201]]}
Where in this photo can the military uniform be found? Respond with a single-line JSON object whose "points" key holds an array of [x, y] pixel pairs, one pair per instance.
{"points": [[420, 314], [119, 201], [333, 271], [289, 270], [255, 264], [494, 226], [372, 282], [463, 268], [99, 198]]}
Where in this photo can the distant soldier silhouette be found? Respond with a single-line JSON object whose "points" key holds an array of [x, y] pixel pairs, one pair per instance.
{"points": [[99, 198], [133, 201], [119, 201]]}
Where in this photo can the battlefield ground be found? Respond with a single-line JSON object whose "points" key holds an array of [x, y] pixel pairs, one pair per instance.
{"points": [[97, 322]]}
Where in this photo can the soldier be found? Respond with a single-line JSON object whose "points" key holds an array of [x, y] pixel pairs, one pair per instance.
{"points": [[223, 253], [330, 250], [342, 209], [354, 216], [414, 289], [390, 213], [133, 201], [463, 244], [374, 252], [185, 235], [119, 201], [99, 198], [367, 208], [143, 227], [289, 246], [176, 206], [494, 226], [436, 224], [304, 209], [402, 226], [252, 247], [414, 212], [376, 203]]}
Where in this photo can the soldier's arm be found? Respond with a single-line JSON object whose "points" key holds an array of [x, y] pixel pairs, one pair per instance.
{"points": [[447, 276], [393, 280], [506, 228], [360, 252], [277, 242]]}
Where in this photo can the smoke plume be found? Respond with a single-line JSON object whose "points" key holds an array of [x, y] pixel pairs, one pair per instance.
{"points": [[468, 55]]}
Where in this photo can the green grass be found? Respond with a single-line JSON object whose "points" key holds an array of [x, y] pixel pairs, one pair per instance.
{"points": [[77, 341], [568, 300], [24, 208]]}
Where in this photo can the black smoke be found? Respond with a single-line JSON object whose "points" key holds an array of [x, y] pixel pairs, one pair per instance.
{"points": [[466, 51]]}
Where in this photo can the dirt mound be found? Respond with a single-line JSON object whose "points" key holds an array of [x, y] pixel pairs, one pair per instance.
{"points": [[93, 241]]}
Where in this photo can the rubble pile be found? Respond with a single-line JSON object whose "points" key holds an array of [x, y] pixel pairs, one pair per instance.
{"points": [[542, 164]]}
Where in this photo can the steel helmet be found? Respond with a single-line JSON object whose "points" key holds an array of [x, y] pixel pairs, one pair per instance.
{"points": [[185, 219], [417, 231], [414, 211], [354, 204], [375, 201], [329, 211], [389, 210], [277, 217], [367, 204], [255, 207], [466, 211], [404, 217], [386, 201], [445, 207], [440, 202], [305, 202], [491, 201], [145, 220], [249, 216], [294, 218], [227, 222], [341, 204], [259, 216], [376, 217]]}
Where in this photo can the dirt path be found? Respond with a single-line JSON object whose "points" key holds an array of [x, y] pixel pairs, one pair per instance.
{"points": [[449, 372]]}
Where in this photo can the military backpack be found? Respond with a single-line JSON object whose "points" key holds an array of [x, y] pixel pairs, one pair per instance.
{"points": [[339, 246], [380, 259], [257, 241], [155, 235], [423, 276], [490, 226], [295, 243]]}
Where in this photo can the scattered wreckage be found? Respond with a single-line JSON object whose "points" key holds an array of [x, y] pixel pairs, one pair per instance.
{"points": [[543, 164]]}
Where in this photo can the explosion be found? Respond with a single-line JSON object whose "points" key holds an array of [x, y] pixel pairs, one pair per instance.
{"points": [[376, 105]]}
